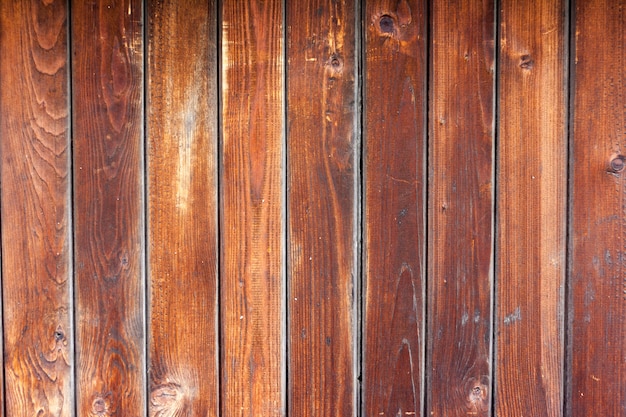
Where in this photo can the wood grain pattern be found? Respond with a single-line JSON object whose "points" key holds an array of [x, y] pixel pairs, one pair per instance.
{"points": [[322, 168], [252, 224], [36, 237], [460, 209], [598, 223], [107, 80], [394, 235], [182, 208], [531, 196]]}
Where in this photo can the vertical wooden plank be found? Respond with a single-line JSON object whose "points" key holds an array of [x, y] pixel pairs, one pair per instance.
{"points": [[531, 196], [394, 238], [107, 110], [36, 239], [322, 165], [182, 208], [598, 197], [460, 209], [252, 225]]}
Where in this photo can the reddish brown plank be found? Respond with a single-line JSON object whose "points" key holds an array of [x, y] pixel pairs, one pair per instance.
{"points": [[598, 201], [36, 237], [394, 238], [107, 81], [322, 167], [252, 230], [460, 209], [531, 196], [182, 208]]}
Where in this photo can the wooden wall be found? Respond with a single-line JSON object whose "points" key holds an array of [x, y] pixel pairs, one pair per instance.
{"points": [[313, 208]]}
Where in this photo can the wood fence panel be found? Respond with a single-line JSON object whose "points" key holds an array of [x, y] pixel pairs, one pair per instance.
{"points": [[107, 114], [36, 209], [597, 348], [531, 200], [460, 209], [322, 169], [394, 159], [182, 208], [252, 224]]}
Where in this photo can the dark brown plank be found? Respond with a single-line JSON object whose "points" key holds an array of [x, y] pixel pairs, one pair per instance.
{"points": [[598, 198], [531, 196], [182, 208], [252, 228], [394, 239], [322, 167], [460, 209], [107, 80], [36, 237]]}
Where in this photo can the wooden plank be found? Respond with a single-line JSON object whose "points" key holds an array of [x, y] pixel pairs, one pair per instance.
{"points": [[182, 208], [531, 196], [252, 224], [598, 223], [322, 167], [36, 211], [107, 80], [460, 209], [394, 233]]}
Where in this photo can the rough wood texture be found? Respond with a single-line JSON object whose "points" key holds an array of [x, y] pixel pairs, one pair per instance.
{"points": [[598, 222], [252, 229], [35, 215], [532, 178], [460, 209], [394, 238], [322, 169], [182, 208], [107, 76]]}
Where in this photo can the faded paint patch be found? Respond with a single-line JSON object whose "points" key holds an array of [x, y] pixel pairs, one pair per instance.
{"points": [[515, 316]]}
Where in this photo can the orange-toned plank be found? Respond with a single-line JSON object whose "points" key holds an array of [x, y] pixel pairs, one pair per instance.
{"points": [[36, 226], [107, 114], [394, 223], [460, 237], [182, 208], [322, 154], [531, 201], [252, 230], [597, 313]]}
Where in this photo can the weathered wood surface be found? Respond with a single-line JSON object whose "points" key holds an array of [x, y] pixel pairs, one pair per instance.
{"points": [[460, 276], [322, 167], [182, 208], [107, 114], [531, 200], [36, 210], [597, 316], [306, 253], [252, 199], [394, 159]]}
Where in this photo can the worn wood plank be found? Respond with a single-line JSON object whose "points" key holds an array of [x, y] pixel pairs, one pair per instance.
{"points": [[322, 168], [36, 236], [531, 196], [107, 80], [394, 234], [182, 208], [252, 225], [460, 209], [598, 201]]}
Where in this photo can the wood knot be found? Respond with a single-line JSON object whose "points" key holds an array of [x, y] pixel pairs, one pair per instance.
{"points": [[617, 164], [335, 62], [169, 399], [386, 24], [526, 62], [100, 407]]}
